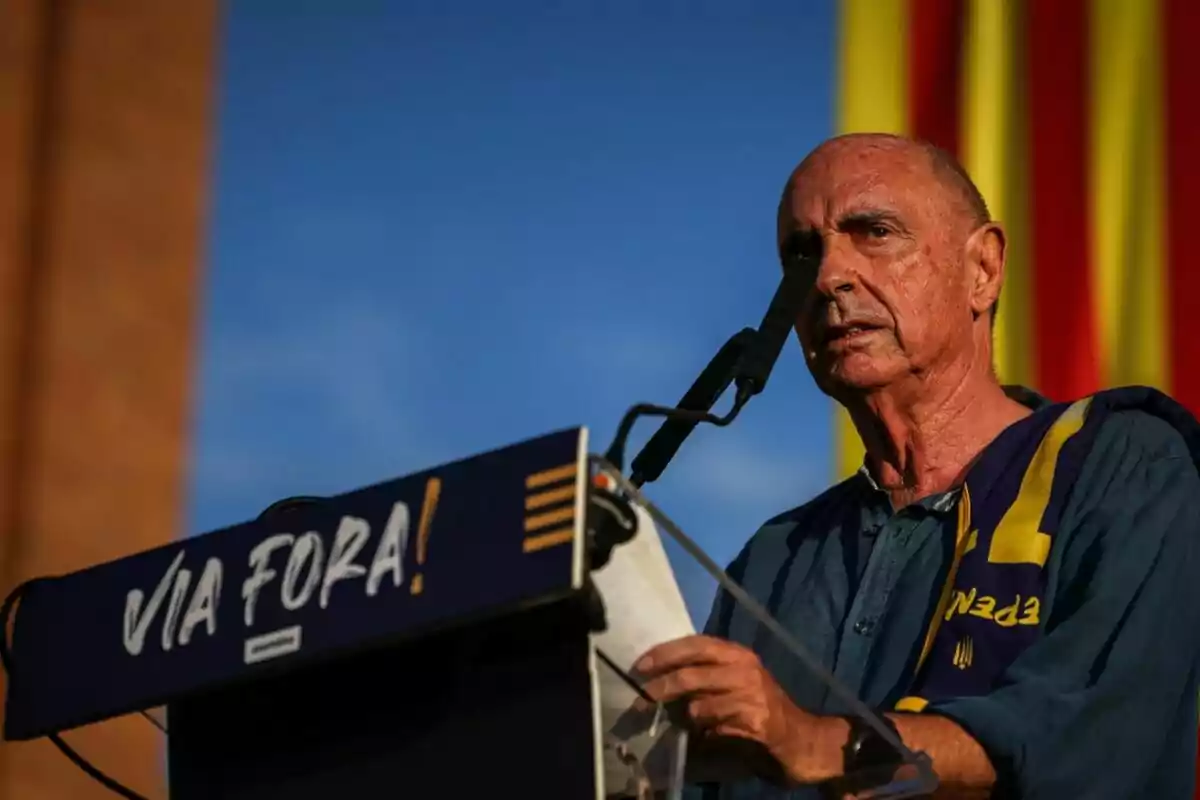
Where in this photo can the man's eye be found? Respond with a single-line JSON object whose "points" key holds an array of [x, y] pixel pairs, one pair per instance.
{"points": [[802, 246], [868, 229]]}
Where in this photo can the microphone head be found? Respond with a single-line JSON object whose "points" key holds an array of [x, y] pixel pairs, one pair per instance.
{"points": [[287, 505], [777, 325]]}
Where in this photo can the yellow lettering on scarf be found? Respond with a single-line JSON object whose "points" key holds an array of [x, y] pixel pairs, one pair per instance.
{"points": [[1007, 616], [983, 607], [1033, 607], [960, 603], [1018, 612]]}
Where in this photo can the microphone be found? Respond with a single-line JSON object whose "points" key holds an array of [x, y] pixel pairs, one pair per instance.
{"points": [[745, 360], [776, 326]]}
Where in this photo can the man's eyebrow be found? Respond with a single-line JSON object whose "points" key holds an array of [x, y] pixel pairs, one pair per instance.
{"points": [[796, 236], [867, 216]]}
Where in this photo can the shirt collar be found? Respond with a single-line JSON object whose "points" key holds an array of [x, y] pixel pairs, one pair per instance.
{"points": [[946, 500], [938, 502], [1026, 397]]}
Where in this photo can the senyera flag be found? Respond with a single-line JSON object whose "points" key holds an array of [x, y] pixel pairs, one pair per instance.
{"points": [[1079, 122]]}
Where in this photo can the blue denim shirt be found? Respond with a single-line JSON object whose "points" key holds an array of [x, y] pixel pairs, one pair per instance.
{"points": [[1103, 705]]}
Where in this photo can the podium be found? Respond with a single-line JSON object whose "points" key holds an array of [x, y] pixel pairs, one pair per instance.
{"points": [[429, 636], [423, 637]]}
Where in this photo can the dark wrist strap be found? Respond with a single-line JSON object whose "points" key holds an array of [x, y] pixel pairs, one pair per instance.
{"points": [[866, 749]]}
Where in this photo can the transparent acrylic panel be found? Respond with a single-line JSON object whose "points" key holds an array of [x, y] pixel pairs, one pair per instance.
{"points": [[644, 751], [658, 585]]}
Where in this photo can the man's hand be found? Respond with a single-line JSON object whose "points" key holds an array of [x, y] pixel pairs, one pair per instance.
{"points": [[726, 693], [742, 715]]}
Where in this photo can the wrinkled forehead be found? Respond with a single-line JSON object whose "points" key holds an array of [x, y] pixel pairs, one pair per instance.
{"points": [[841, 179]]}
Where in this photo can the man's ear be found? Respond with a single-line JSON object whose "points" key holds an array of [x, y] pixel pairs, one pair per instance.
{"points": [[985, 266]]}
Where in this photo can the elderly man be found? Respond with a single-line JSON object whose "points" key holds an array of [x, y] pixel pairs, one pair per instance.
{"points": [[1016, 583]]}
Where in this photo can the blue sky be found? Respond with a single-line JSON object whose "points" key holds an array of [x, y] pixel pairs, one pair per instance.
{"points": [[438, 228]]}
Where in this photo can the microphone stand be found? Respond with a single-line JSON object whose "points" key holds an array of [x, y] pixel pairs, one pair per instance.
{"points": [[746, 360], [648, 465]]}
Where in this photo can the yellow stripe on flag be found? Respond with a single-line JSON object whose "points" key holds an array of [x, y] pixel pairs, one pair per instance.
{"points": [[1127, 191], [994, 149], [872, 97], [873, 66]]}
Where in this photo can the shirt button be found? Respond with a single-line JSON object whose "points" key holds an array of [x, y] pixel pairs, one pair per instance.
{"points": [[864, 626]]}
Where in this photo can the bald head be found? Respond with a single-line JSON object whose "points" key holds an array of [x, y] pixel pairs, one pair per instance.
{"points": [[903, 260], [946, 175], [954, 180]]}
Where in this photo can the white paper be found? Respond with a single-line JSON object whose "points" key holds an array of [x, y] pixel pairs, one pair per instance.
{"points": [[644, 608]]}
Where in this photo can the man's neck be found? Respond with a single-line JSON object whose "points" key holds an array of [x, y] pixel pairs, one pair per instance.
{"points": [[921, 440]]}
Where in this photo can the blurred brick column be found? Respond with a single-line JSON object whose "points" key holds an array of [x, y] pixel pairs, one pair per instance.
{"points": [[104, 140]]}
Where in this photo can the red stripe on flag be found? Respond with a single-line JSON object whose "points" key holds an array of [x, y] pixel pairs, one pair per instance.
{"points": [[935, 30], [1181, 29], [1064, 331]]}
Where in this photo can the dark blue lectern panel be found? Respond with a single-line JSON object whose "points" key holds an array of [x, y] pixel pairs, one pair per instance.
{"points": [[467, 539], [497, 709]]}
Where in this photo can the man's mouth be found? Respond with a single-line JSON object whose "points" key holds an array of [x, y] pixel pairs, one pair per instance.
{"points": [[845, 334]]}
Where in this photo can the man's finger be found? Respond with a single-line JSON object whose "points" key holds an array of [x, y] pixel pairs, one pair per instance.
{"points": [[689, 681], [691, 651], [707, 712]]}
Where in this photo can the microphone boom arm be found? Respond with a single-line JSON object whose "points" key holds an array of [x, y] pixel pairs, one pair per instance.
{"points": [[708, 387], [746, 360]]}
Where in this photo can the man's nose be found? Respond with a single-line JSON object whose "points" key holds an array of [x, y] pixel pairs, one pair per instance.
{"points": [[837, 272]]}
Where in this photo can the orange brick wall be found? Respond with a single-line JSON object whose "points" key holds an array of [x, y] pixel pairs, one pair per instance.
{"points": [[104, 147]]}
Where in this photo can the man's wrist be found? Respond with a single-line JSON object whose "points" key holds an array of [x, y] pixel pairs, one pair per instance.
{"points": [[817, 749]]}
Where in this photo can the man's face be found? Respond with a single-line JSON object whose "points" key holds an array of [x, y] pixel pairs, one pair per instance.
{"points": [[886, 292]]}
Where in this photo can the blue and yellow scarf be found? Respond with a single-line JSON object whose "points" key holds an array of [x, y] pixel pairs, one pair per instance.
{"points": [[1010, 511]]}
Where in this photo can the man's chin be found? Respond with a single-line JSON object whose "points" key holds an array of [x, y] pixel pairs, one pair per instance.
{"points": [[855, 375]]}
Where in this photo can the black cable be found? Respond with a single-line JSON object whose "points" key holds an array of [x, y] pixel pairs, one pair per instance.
{"points": [[615, 454], [72, 755], [153, 720], [625, 677]]}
